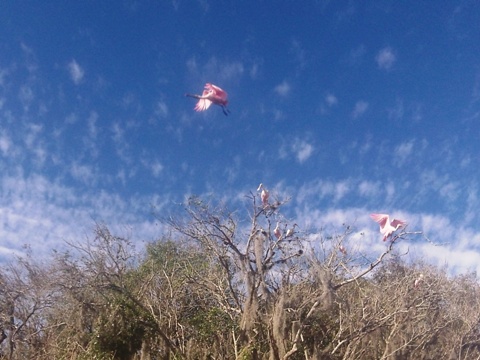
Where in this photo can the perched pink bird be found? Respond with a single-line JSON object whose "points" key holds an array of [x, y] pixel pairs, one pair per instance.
{"points": [[264, 194], [342, 249], [387, 227], [418, 280], [212, 94], [277, 232]]}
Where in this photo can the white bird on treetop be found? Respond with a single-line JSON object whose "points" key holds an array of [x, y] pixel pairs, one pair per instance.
{"points": [[291, 231], [387, 227]]}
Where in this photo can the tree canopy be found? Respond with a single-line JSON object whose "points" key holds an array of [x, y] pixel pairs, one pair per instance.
{"points": [[216, 287]]}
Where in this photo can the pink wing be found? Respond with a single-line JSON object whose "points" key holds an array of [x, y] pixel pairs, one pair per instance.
{"points": [[380, 218], [203, 104], [222, 94], [396, 223]]}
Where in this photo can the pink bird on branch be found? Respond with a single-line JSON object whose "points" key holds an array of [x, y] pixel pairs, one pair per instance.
{"points": [[418, 281], [264, 195], [277, 232], [387, 227], [212, 94]]}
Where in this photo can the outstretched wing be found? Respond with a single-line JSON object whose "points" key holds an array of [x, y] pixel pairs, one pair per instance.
{"points": [[380, 218], [220, 93], [398, 223], [203, 104]]}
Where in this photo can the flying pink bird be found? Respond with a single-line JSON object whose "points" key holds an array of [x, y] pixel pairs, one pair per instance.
{"points": [[387, 228], [212, 94], [264, 194]]}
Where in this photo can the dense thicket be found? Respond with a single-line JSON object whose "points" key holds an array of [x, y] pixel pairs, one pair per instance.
{"points": [[218, 289]]}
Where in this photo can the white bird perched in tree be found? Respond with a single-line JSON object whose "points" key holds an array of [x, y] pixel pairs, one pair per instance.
{"points": [[264, 194], [291, 231], [277, 232], [342, 249], [387, 227]]}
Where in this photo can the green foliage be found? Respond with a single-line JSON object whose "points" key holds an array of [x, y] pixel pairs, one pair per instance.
{"points": [[210, 322], [120, 329]]}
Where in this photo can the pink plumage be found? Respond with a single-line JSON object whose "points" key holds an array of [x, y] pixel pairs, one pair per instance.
{"points": [[264, 195], [277, 232], [387, 227], [212, 94]]}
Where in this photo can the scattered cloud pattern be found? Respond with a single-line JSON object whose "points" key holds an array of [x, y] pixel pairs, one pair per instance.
{"points": [[76, 72], [94, 126], [385, 58]]}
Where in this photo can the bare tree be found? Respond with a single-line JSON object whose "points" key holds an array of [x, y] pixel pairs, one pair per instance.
{"points": [[223, 286], [26, 295]]}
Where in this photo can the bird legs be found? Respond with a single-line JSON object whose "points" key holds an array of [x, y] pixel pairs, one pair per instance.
{"points": [[225, 110]]}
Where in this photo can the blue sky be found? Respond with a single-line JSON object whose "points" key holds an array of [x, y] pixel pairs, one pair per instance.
{"points": [[348, 107]]}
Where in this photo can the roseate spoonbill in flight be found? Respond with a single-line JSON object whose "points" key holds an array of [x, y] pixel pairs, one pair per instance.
{"points": [[277, 232], [264, 194], [212, 94], [291, 231], [387, 227]]}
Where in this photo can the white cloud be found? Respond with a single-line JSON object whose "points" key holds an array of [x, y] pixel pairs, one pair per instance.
{"points": [[450, 191], [254, 70], [385, 58], [5, 143], [357, 54], [121, 144], [368, 188], [311, 193], [192, 65], [71, 119], [390, 190], [331, 100], [402, 152], [282, 89], [232, 70], [26, 96], [278, 114], [359, 109], [215, 70], [156, 168], [299, 53], [76, 72], [92, 124], [44, 214], [3, 73], [342, 188], [302, 149], [397, 111], [82, 173], [161, 109]]}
